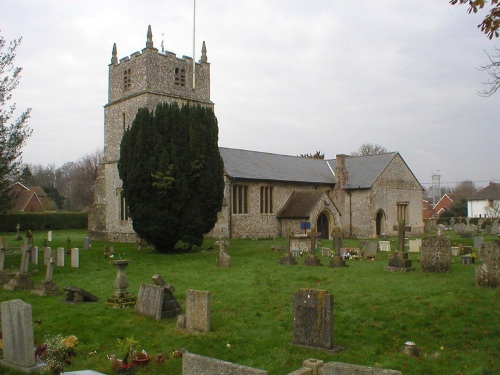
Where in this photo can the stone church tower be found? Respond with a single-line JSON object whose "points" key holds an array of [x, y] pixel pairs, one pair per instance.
{"points": [[143, 79]]}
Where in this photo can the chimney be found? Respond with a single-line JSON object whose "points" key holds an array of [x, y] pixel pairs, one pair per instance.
{"points": [[341, 172]]}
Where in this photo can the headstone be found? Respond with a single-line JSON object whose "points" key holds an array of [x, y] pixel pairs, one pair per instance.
{"points": [[34, 254], [488, 274], [4, 277], [435, 254], [47, 254], [49, 236], [157, 301], [337, 260], [75, 257], [290, 255], [414, 245], [18, 233], [339, 368], [17, 336], [478, 241], [455, 251], [325, 251], [21, 279], [60, 256], [86, 243], [47, 287], [384, 245], [313, 319], [370, 250], [197, 310], [193, 364], [74, 295], [223, 259]]}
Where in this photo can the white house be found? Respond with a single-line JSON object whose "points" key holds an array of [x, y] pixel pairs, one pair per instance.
{"points": [[485, 202]]}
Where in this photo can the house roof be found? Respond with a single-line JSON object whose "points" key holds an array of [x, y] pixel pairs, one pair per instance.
{"points": [[490, 192], [39, 191], [300, 204], [21, 199], [256, 165]]}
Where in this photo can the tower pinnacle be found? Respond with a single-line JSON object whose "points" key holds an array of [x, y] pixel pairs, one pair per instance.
{"points": [[114, 59], [149, 42], [203, 52]]}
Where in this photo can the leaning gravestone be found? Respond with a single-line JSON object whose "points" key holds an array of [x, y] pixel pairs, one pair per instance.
{"points": [[197, 317], [435, 254], [488, 274], [313, 319], [21, 279], [75, 295], [17, 336], [157, 301], [193, 364]]}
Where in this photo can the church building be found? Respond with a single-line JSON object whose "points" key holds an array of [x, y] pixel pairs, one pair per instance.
{"points": [[265, 194]]}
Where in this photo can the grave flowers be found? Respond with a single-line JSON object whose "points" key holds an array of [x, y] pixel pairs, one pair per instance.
{"points": [[133, 356], [56, 352]]}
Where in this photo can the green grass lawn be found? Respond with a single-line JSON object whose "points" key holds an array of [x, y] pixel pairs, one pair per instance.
{"points": [[455, 324]]}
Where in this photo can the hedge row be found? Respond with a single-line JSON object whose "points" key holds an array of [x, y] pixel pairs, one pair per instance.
{"points": [[43, 221]]}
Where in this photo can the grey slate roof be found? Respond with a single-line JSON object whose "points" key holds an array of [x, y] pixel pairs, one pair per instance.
{"points": [[256, 165], [490, 192], [363, 171]]}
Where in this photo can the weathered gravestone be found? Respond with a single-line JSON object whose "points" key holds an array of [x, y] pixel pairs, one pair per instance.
{"points": [[75, 257], [34, 254], [337, 260], [488, 274], [223, 259], [414, 245], [4, 278], [288, 258], [338, 368], [384, 245], [17, 336], [435, 254], [157, 301], [193, 364], [47, 287], [21, 279], [60, 256], [197, 318], [370, 250], [313, 319], [47, 254], [478, 241], [75, 295], [399, 262], [311, 258]]}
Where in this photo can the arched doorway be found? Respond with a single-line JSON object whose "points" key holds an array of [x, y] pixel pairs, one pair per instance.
{"points": [[380, 223], [322, 225]]}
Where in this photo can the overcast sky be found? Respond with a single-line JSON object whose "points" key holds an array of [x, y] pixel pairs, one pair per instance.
{"points": [[287, 76]]}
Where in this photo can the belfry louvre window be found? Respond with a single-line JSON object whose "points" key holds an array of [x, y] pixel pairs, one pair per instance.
{"points": [[240, 199], [124, 213], [180, 77], [127, 80], [402, 211], [266, 199]]}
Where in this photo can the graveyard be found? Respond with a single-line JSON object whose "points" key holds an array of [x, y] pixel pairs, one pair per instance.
{"points": [[251, 302]]}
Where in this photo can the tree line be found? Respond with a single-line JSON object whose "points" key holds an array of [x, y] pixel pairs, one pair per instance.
{"points": [[69, 187]]}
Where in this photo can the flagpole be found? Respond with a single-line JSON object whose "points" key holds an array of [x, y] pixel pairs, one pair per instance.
{"points": [[194, 41]]}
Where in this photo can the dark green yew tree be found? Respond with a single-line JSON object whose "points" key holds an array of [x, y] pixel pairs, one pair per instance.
{"points": [[172, 174]]}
